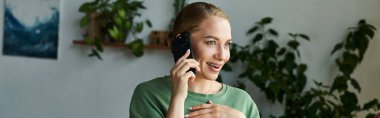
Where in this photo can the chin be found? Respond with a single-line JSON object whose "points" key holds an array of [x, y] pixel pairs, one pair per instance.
{"points": [[208, 74], [211, 76]]}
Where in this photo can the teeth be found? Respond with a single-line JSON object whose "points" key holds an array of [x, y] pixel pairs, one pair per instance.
{"points": [[213, 65]]}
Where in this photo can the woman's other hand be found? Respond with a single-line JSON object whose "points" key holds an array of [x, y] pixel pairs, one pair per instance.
{"points": [[211, 110], [180, 75]]}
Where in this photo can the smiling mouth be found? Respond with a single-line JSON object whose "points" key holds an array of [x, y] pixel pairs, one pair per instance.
{"points": [[214, 67]]}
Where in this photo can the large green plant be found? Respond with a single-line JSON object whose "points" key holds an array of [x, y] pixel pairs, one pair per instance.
{"points": [[116, 21], [338, 100], [352, 51], [272, 67], [275, 68]]}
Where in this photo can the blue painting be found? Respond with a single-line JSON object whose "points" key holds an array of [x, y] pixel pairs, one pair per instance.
{"points": [[31, 28]]}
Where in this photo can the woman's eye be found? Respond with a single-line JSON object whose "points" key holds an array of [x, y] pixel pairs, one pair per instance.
{"points": [[211, 42], [228, 44]]}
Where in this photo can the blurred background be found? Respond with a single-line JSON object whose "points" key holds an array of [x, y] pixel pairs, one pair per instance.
{"points": [[76, 86]]}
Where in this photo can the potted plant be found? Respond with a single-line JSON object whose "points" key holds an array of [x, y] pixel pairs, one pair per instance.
{"points": [[112, 22]]}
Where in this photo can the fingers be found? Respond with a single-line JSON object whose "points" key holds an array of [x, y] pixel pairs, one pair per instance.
{"points": [[189, 75], [187, 62], [201, 106], [184, 66], [183, 57], [199, 113], [187, 65], [210, 102], [204, 110]]}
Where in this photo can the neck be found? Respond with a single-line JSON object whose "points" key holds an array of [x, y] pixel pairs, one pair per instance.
{"points": [[204, 86]]}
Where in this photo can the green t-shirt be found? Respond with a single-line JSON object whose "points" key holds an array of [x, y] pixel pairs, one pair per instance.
{"points": [[151, 99]]}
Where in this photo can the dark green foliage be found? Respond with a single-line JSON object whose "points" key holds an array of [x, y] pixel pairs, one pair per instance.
{"points": [[137, 47], [352, 49], [275, 69]]}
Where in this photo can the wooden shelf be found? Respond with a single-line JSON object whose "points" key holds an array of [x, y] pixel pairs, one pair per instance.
{"points": [[122, 45]]}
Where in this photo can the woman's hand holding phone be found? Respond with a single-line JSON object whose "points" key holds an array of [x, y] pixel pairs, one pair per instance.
{"points": [[180, 75]]}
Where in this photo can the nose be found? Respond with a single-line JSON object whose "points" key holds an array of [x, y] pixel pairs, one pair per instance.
{"points": [[222, 53]]}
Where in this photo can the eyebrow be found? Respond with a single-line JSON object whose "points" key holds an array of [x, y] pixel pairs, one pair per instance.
{"points": [[216, 38]]}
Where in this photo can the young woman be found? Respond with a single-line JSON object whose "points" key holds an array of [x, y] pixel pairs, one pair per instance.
{"points": [[196, 95]]}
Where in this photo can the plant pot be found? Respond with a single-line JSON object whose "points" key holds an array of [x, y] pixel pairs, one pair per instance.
{"points": [[159, 38]]}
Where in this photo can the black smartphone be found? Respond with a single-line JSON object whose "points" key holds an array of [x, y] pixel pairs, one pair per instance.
{"points": [[180, 45]]}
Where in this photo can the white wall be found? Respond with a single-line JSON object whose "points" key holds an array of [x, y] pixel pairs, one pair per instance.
{"points": [[75, 86]]}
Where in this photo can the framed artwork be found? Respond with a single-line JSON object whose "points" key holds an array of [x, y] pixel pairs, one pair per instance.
{"points": [[31, 28]]}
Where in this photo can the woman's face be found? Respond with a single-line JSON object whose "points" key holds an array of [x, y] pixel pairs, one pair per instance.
{"points": [[211, 46]]}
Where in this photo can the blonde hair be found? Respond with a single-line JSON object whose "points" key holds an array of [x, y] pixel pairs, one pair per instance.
{"points": [[191, 16]]}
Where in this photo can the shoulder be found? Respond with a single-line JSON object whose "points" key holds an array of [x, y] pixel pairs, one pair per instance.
{"points": [[158, 82], [240, 95], [149, 98], [246, 103], [236, 91], [157, 85]]}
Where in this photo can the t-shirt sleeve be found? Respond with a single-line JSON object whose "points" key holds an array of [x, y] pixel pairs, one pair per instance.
{"points": [[253, 111], [143, 104]]}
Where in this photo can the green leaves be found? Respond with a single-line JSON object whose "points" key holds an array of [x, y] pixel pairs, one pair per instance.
{"points": [[349, 101], [353, 47], [370, 104], [304, 37], [273, 32], [128, 25], [148, 23], [266, 20], [88, 7], [122, 13], [116, 21], [252, 30], [137, 47], [115, 33], [355, 84], [257, 38], [281, 52], [276, 70], [340, 84], [95, 53], [98, 45], [139, 27], [270, 66], [137, 4], [302, 68], [337, 47], [84, 21], [348, 63], [293, 44]]}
